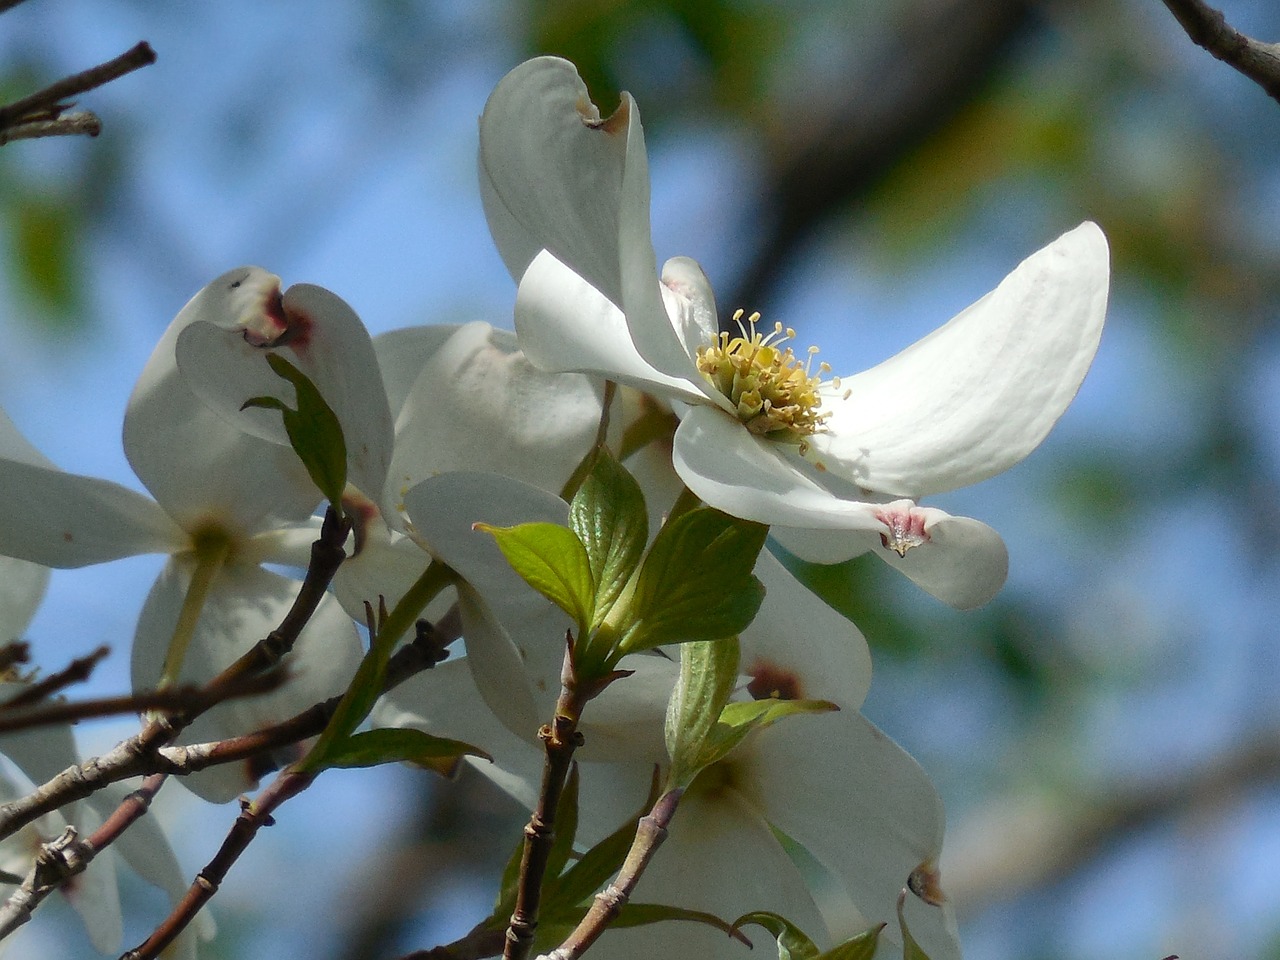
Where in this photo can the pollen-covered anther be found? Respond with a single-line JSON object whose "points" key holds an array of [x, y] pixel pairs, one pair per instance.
{"points": [[774, 394], [904, 527]]}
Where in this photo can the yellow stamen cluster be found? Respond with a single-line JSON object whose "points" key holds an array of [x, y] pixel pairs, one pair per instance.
{"points": [[776, 395]]}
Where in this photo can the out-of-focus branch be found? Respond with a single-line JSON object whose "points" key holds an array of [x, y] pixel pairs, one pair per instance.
{"points": [[62, 858], [43, 113], [1208, 28], [932, 65], [77, 671], [1021, 844]]}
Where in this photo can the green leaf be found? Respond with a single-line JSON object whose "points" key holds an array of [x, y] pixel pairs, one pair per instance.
{"points": [[708, 673], [793, 944], [910, 949], [740, 718], [387, 745], [314, 431], [861, 947], [505, 904], [553, 561], [643, 914], [609, 516], [696, 582]]}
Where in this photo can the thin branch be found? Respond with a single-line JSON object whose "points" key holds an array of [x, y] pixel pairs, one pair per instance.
{"points": [[254, 815], [78, 671], [187, 699], [47, 105], [650, 833], [1208, 28], [560, 738], [62, 858], [13, 653], [79, 123], [138, 753]]}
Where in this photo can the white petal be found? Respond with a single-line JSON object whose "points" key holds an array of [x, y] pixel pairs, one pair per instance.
{"points": [[14, 446], [94, 894], [222, 355], [978, 394], [731, 470], [497, 665], [403, 353], [443, 510], [552, 172], [244, 604], [796, 636], [721, 857], [22, 587], [194, 463], [860, 804], [962, 562], [42, 753], [63, 520], [477, 404], [566, 324]]}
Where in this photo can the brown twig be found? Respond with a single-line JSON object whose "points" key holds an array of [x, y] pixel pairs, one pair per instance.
{"points": [[78, 671], [138, 753], [560, 738], [62, 858], [427, 649], [1208, 28], [42, 110], [650, 833], [254, 815], [13, 653], [187, 699]]}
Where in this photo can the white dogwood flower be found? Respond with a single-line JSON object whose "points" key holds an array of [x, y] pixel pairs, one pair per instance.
{"points": [[763, 436], [225, 503]]}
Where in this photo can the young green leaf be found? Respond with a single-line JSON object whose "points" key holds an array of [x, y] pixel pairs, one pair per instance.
{"points": [[553, 561], [793, 944], [696, 582], [861, 947], [910, 949], [740, 718], [385, 745], [566, 828], [609, 516], [314, 431], [708, 673]]}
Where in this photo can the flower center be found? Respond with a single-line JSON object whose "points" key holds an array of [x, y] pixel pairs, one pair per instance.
{"points": [[776, 395]]}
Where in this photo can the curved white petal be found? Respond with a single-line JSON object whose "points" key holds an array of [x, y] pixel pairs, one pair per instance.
{"points": [[962, 562], [14, 446], [223, 358], [443, 510], [478, 404], [861, 805], [552, 171], [565, 324], [95, 894], [22, 587], [497, 666], [199, 467], [387, 566], [796, 640], [244, 604], [747, 477], [63, 520], [720, 856], [146, 849], [978, 394], [403, 353]]}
